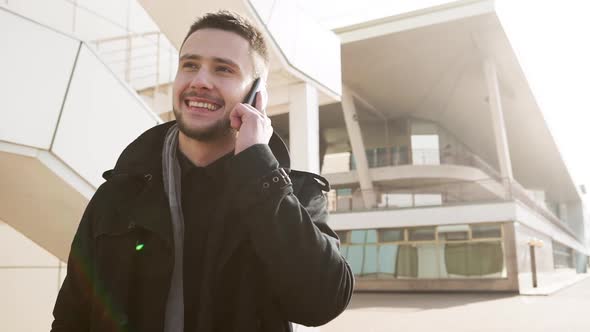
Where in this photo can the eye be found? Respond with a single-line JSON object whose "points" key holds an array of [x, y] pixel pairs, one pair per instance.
{"points": [[189, 66], [224, 69]]}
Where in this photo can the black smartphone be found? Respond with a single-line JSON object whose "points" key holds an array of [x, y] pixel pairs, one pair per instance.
{"points": [[251, 96]]}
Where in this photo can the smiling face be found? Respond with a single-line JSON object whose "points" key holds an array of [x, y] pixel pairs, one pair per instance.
{"points": [[215, 70]]}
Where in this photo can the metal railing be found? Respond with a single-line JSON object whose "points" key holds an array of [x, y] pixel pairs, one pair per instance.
{"points": [[448, 193], [420, 195], [138, 59], [517, 192], [392, 156]]}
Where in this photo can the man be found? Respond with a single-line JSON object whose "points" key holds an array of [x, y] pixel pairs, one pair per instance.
{"points": [[201, 226]]}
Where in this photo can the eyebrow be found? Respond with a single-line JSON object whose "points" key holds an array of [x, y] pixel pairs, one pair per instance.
{"points": [[215, 59]]}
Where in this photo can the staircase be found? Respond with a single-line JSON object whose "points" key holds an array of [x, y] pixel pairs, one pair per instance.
{"points": [[68, 116]]}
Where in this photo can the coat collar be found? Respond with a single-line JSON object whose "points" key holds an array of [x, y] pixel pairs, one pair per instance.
{"points": [[144, 155], [142, 160]]}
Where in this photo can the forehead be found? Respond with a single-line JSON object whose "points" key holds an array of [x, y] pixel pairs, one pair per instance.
{"points": [[215, 43]]}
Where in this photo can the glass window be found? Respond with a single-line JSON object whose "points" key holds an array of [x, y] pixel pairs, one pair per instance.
{"points": [[371, 236], [371, 157], [407, 262], [489, 257], [562, 256], [422, 234], [343, 236], [425, 150], [400, 155], [486, 231], [453, 232], [481, 259], [391, 235], [355, 258], [427, 261], [453, 236], [344, 192], [370, 262], [396, 200], [387, 258], [427, 199], [383, 157], [344, 251], [379, 253], [358, 236]]}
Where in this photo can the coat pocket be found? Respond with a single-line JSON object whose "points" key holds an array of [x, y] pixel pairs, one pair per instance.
{"points": [[115, 246]]}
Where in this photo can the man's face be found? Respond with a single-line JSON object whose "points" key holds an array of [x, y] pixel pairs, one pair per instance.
{"points": [[215, 70]]}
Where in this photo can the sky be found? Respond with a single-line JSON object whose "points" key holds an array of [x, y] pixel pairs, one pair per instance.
{"points": [[550, 39]]}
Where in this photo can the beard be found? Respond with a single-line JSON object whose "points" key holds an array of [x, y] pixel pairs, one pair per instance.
{"points": [[218, 129]]}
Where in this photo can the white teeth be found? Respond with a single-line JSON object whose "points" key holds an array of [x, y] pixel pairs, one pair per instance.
{"points": [[208, 106]]}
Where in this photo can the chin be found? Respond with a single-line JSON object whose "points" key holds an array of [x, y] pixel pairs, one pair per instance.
{"points": [[209, 133]]}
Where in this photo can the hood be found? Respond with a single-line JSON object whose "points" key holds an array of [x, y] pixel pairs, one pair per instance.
{"points": [[144, 155]]}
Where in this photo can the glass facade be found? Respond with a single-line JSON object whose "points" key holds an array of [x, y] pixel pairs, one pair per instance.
{"points": [[420, 142], [437, 252], [563, 256]]}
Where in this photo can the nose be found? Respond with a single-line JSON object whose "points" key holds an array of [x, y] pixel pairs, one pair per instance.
{"points": [[201, 80]]}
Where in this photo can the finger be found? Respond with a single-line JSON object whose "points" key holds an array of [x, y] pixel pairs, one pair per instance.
{"points": [[247, 110], [235, 118]]}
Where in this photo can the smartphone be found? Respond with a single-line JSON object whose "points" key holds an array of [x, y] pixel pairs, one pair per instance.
{"points": [[251, 96]]}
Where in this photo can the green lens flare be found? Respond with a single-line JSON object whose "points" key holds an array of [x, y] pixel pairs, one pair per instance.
{"points": [[139, 246]]}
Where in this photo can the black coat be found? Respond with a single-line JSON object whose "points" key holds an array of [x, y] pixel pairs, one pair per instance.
{"points": [[271, 259]]}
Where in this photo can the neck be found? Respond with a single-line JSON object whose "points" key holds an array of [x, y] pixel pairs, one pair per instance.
{"points": [[204, 153]]}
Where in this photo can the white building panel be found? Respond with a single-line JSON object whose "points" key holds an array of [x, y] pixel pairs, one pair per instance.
{"points": [[61, 17], [35, 63], [542, 225], [448, 215], [89, 26], [100, 117], [115, 10]]}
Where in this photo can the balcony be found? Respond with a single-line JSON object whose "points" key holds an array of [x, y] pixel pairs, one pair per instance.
{"points": [[399, 156], [425, 193]]}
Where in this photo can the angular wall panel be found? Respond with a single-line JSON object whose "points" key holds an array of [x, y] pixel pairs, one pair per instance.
{"points": [[36, 63], [100, 117]]}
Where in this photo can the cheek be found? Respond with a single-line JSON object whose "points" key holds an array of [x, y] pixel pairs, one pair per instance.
{"points": [[179, 85], [234, 92], [179, 82]]}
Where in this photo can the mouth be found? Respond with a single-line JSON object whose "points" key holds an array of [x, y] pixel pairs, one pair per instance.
{"points": [[201, 106]]}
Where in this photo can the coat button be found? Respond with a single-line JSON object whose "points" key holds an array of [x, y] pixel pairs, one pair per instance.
{"points": [[266, 185], [275, 179]]}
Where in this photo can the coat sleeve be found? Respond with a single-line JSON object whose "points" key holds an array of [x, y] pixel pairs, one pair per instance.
{"points": [[72, 307], [311, 281]]}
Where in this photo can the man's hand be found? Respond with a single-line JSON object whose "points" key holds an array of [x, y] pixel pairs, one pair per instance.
{"points": [[252, 124]]}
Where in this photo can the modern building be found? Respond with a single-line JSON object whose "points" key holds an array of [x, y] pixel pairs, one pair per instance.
{"points": [[444, 173]]}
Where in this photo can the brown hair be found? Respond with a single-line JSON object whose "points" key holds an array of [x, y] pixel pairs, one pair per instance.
{"points": [[233, 22]]}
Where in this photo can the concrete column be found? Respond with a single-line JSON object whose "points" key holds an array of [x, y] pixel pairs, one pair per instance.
{"points": [[495, 102], [358, 148], [304, 128]]}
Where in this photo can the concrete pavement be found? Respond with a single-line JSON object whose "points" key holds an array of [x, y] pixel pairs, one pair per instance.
{"points": [[567, 310]]}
